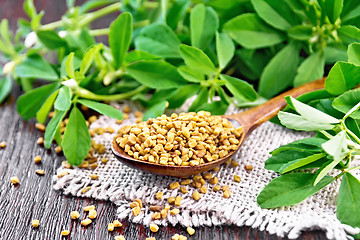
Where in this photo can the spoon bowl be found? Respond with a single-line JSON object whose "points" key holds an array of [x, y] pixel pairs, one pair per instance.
{"points": [[249, 120]]}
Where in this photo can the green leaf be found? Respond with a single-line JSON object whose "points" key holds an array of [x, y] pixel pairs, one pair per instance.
{"points": [[158, 39], [53, 124], [63, 100], [135, 56], [225, 49], [58, 136], [51, 39], [29, 8], [335, 52], [215, 107], [354, 53], [75, 65], [311, 144], [30, 102], [249, 31], [34, 66], [276, 13], [290, 189], [190, 74], [295, 164], [120, 37], [5, 33], [277, 161], [348, 201], [182, 94], [43, 112], [90, 56], [301, 32], [239, 88], [252, 62], [156, 74], [279, 72], [176, 13], [69, 63], [204, 23], [310, 69], [342, 77], [309, 112], [333, 9], [77, 140], [155, 110], [102, 108], [194, 57], [346, 101], [5, 88], [299, 123], [201, 98], [349, 34]]}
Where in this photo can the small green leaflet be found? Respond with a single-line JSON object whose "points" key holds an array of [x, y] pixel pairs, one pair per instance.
{"points": [[182, 94], [295, 164], [239, 88], [34, 66], [277, 161], [77, 140], [312, 68], [63, 100], [354, 53], [52, 126], [225, 49], [346, 101], [348, 201], [333, 9], [51, 39], [349, 34], [343, 76], [311, 144], [201, 98], [191, 74], [69, 63], [155, 110], [5, 87], [300, 123], [102, 108], [300, 32], [290, 189], [194, 57], [43, 112], [336, 145], [215, 107], [120, 37], [89, 57]]}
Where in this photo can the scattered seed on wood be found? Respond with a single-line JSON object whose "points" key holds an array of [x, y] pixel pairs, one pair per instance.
{"points": [[174, 185], [190, 230], [183, 190], [237, 178], [249, 167], [111, 227], [159, 195], [37, 159], [117, 223], [154, 227], [58, 149], [74, 215], [196, 195], [40, 172], [40, 127], [136, 211], [120, 237], [35, 223], [92, 214], [65, 232], [155, 208], [14, 180], [3, 144], [40, 141], [216, 188], [88, 208]]}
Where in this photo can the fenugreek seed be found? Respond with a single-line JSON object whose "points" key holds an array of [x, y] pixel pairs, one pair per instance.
{"points": [[94, 176], [85, 189], [138, 114], [155, 216], [65, 232], [190, 230], [167, 208], [249, 167], [202, 181], [136, 211], [92, 214], [134, 204], [186, 182], [51, 114], [139, 202], [227, 194], [171, 200], [110, 130], [234, 163], [174, 185], [159, 195], [3, 144], [62, 174], [237, 178], [40, 141], [40, 127], [154, 227], [120, 237], [35, 223], [102, 150], [104, 160], [40, 172], [94, 165], [178, 237], [207, 176], [214, 180], [178, 201], [117, 223], [126, 116], [58, 149], [66, 164], [84, 164], [203, 189], [163, 213], [111, 227], [14, 180], [88, 208], [227, 162], [174, 211], [225, 187], [216, 188], [215, 169], [119, 121], [183, 190], [150, 238], [126, 109], [92, 119], [86, 222], [197, 177], [74, 215], [155, 208], [37, 159], [196, 195], [138, 120]]}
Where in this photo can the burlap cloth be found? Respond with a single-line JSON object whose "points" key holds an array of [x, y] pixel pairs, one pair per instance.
{"points": [[121, 185]]}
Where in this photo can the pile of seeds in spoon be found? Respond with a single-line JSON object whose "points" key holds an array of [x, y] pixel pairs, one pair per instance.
{"points": [[182, 140]]}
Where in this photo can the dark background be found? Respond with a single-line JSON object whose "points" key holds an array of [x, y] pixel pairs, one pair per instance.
{"points": [[34, 198]]}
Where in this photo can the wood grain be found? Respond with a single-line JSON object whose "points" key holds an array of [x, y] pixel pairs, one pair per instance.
{"points": [[34, 197]]}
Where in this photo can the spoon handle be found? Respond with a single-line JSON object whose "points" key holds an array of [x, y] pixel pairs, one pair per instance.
{"points": [[254, 117]]}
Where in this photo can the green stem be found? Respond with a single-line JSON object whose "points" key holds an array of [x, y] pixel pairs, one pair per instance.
{"points": [[52, 25], [350, 132], [84, 93], [339, 175], [99, 32], [99, 13]]}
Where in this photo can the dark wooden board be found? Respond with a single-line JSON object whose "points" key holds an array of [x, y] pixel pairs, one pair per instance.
{"points": [[34, 198]]}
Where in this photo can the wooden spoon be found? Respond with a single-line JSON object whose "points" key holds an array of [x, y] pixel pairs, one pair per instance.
{"points": [[249, 120]]}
